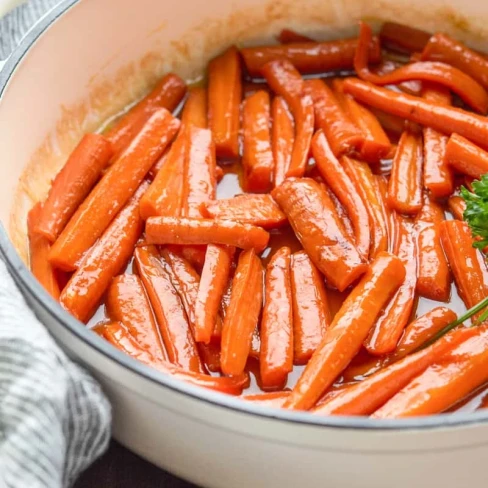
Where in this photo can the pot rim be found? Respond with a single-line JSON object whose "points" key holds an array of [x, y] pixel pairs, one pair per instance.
{"points": [[30, 285]]}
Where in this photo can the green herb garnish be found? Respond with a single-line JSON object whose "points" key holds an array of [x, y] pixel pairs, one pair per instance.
{"points": [[476, 213]]}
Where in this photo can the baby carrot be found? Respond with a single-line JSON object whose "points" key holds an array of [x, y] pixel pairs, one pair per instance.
{"points": [[456, 206], [288, 36], [254, 209], [166, 94], [257, 159], [103, 261], [282, 138], [215, 275], [170, 230], [308, 57], [276, 359], [311, 314], [39, 248], [343, 339], [114, 190], [339, 182], [274, 399], [73, 183], [403, 38], [242, 314], [194, 254], [195, 108], [405, 185], [313, 218], [168, 309], [341, 212], [224, 98], [127, 303], [465, 157]]}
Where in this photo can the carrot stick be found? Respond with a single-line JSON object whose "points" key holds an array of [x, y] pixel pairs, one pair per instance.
{"points": [[195, 109], [169, 230], [288, 36], [255, 350], [282, 138], [168, 309], [273, 399], [313, 218], [452, 376], [405, 186], [465, 157], [343, 339], [242, 315], [399, 37], [276, 359], [166, 94], [444, 119], [384, 336], [414, 87], [224, 98], [152, 173], [113, 191], [341, 212], [381, 184], [73, 183], [103, 261], [311, 313], [259, 210], [391, 123], [456, 206], [251, 87], [127, 303], [257, 158], [194, 254], [212, 285], [39, 248], [308, 57], [340, 183]]}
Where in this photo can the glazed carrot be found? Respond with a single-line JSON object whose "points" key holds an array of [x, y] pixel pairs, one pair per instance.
{"points": [[195, 108], [311, 314], [384, 336], [169, 230], [340, 183], [444, 119], [414, 87], [391, 123], [257, 159], [465, 157], [259, 210], [405, 39], [39, 248], [215, 276], [167, 94], [242, 314], [251, 87], [73, 183], [468, 89], [168, 309], [343, 339], [224, 98], [255, 350], [452, 376], [103, 261], [381, 184], [285, 81], [282, 138], [340, 210], [456, 206], [308, 57], [276, 359], [113, 191], [405, 185], [288, 36], [127, 303], [274, 399], [363, 179], [443, 48], [194, 254]]}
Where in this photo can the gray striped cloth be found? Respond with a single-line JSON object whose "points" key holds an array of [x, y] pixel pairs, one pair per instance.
{"points": [[54, 418]]}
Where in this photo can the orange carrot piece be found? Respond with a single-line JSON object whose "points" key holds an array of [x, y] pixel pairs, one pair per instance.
{"points": [[343, 339], [273, 399], [340, 183], [276, 359], [73, 183], [255, 350], [215, 276], [405, 186], [391, 123], [403, 38], [127, 303], [39, 248], [242, 314], [257, 159], [224, 98], [113, 191], [168, 309], [282, 138], [259, 210], [308, 57], [195, 109], [103, 261], [167, 94], [465, 157], [312, 216], [169, 230], [289, 36], [194, 254], [341, 212], [311, 313], [456, 206]]}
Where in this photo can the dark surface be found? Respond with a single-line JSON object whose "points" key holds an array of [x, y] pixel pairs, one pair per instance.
{"points": [[119, 468]]}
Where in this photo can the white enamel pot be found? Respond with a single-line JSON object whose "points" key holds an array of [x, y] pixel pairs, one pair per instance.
{"points": [[83, 62]]}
